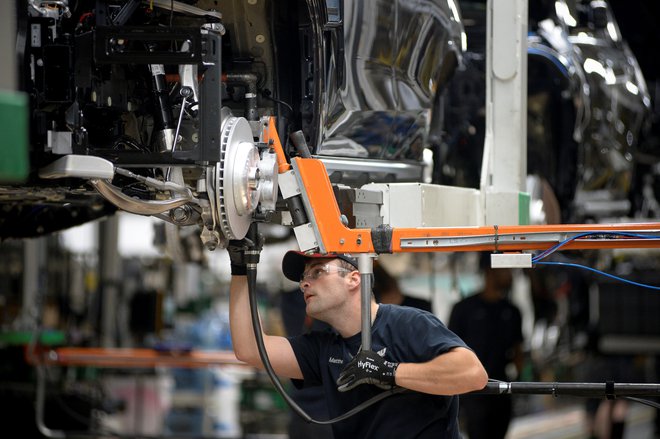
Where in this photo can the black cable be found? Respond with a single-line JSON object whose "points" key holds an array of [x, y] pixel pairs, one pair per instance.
{"points": [[130, 143], [647, 402], [266, 95]]}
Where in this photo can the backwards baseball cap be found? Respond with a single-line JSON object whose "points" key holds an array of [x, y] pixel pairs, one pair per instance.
{"points": [[293, 263]]}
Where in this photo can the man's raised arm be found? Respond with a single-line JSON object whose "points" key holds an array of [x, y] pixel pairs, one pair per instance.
{"points": [[279, 349]]}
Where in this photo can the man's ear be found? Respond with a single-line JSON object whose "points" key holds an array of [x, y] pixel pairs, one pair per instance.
{"points": [[354, 279]]}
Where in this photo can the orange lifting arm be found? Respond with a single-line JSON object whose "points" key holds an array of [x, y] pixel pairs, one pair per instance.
{"points": [[271, 137], [325, 214], [337, 238]]}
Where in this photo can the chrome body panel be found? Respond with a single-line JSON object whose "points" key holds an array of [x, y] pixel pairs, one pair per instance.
{"points": [[378, 102], [588, 104], [619, 101]]}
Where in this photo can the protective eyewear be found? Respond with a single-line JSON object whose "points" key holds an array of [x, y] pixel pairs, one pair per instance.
{"points": [[319, 270]]}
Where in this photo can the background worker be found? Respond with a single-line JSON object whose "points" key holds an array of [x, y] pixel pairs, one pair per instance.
{"points": [[491, 325], [410, 349], [387, 290]]}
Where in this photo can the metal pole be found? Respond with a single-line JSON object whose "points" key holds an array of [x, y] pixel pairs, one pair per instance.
{"points": [[34, 283], [366, 267], [598, 390], [110, 269]]}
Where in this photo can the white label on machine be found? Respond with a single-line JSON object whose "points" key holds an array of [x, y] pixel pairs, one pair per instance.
{"points": [[35, 35], [511, 260]]}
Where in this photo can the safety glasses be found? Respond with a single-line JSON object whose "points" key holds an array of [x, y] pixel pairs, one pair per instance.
{"points": [[319, 270]]}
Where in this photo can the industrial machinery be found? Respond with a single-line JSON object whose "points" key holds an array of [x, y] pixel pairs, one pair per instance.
{"points": [[168, 110], [160, 108], [173, 110]]}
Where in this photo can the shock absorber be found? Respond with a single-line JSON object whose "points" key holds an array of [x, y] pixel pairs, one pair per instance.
{"points": [[164, 120], [249, 80]]}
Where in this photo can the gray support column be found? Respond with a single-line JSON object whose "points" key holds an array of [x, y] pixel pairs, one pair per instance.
{"points": [[110, 277], [366, 267], [34, 281], [504, 166], [8, 69]]}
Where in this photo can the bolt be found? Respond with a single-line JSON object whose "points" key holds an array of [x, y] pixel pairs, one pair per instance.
{"points": [[341, 241], [186, 91], [180, 214]]}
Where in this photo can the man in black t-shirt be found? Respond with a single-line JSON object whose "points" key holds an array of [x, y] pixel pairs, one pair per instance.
{"points": [[491, 325], [410, 349]]}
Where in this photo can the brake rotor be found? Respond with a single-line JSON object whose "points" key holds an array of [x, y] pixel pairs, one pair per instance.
{"points": [[237, 178]]}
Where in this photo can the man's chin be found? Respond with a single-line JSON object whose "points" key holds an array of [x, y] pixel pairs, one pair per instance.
{"points": [[312, 311]]}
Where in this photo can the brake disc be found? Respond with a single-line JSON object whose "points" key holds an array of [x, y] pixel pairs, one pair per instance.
{"points": [[237, 178]]}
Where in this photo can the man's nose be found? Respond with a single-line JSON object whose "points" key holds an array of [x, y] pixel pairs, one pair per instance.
{"points": [[303, 284]]}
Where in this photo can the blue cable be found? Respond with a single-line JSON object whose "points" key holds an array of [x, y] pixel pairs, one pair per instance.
{"points": [[554, 248], [570, 264], [536, 259]]}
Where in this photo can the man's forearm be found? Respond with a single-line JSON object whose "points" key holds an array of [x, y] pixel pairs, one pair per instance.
{"points": [[455, 372], [242, 333], [278, 348]]}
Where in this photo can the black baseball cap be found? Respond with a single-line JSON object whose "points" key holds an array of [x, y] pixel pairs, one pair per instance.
{"points": [[293, 263]]}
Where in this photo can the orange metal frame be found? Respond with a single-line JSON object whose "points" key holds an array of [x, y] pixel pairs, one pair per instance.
{"points": [[337, 238]]}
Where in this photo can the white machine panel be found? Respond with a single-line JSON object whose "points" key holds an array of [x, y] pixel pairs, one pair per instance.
{"points": [[426, 205]]}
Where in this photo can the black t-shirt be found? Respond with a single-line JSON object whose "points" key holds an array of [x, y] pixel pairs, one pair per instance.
{"points": [[491, 329], [404, 335]]}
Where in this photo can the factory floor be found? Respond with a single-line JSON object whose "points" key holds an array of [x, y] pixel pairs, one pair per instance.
{"points": [[569, 423], [564, 423]]}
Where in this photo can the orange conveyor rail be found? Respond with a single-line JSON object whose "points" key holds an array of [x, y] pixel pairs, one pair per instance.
{"points": [[136, 358]]}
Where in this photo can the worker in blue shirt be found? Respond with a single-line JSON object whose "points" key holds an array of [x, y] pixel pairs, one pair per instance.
{"points": [[410, 349]]}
